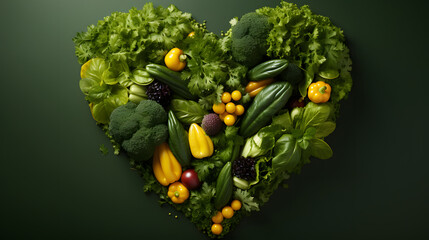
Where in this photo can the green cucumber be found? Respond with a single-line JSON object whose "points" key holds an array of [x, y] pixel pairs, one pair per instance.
{"points": [[171, 78], [268, 69], [224, 186], [264, 106], [178, 140]]}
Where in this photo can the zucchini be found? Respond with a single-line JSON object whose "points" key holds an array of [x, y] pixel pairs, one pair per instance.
{"points": [[236, 150], [268, 69], [223, 186], [171, 78], [265, 105], [178, 140]]}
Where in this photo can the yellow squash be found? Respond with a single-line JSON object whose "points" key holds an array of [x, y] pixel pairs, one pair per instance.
{"points": [[165, 166], [201, 144]]}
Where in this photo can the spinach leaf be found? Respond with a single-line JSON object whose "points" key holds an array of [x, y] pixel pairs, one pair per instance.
{"points": [[324, 129], [284, 120], [320, 149], [296, 115], [287, 154], [310, 132], [314, 114], [187, 111]]}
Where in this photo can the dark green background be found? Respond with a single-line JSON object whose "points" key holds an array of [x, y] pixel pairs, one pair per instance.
{"points": [[55, 183]]}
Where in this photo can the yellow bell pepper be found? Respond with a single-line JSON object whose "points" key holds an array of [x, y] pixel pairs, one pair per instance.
{"points": [[178, 193], [253, 88], [191, 34], [165, 166], [201, 144], [175, 60], [319, 92]]}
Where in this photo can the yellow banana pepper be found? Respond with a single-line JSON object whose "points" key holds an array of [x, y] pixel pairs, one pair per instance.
{"points": [[201, 144], [175, 59], [165, 166], [319, 92], [253, 88], [178, 193]]}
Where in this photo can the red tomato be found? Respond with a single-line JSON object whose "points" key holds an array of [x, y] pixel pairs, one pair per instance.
{"points": [[190, 179]]}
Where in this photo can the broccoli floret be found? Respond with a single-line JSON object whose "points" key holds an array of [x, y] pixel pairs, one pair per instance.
{"points": [[249, 39], [139, 128]]}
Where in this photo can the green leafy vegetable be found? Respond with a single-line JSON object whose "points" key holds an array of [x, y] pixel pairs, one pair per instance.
{"points": [[112, 75], [210, 68], [203, 168], [283, 119], [315, 114], [287, 154], [320, 149], [137, 37], [227, 145], [310, 124], [187, 111], [262, 142], [311, 42], [103, 98], [104, 150], [324, 129], [116, 146], [269, 181], [246, 200]]}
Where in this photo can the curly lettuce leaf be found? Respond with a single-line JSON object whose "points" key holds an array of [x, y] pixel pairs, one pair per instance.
{"points": [[137, 37], [311, 42]]}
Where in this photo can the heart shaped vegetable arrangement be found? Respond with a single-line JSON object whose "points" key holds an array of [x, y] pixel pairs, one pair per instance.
{"points": [[215, 124]]}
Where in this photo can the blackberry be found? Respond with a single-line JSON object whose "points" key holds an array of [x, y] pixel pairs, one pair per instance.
{"points": [[244, 168], [159, 92]]}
